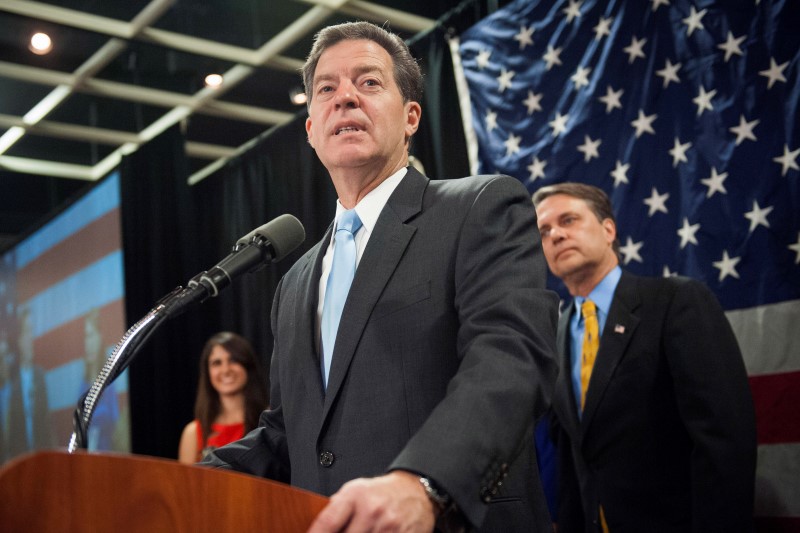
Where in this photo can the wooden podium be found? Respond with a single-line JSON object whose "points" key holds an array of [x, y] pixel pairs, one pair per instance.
{"points": [[56, 491]]}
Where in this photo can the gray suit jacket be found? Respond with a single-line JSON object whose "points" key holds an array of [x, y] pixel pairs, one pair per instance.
{"points": [[667, 438], [444, 357]]}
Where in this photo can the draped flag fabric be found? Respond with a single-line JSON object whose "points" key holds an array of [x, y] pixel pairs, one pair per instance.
{"points": [[686, 113]]}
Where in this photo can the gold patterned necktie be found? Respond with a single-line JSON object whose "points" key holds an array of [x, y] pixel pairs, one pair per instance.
{"points": [[591, 343]]}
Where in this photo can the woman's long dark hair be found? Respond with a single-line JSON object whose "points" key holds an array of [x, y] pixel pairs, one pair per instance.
{"points": [[207, 405]]}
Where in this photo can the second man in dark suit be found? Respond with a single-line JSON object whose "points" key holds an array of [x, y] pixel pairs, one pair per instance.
{"points": [[654, 419]]}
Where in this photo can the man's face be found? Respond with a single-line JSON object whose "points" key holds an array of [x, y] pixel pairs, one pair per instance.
{"points": [[357, 116], [575, 243]]}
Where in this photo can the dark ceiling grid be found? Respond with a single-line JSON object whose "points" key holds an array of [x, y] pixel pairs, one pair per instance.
{"points": [[122, 71]]}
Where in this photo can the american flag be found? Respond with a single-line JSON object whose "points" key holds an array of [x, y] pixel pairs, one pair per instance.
{"points": [[686, 113]]}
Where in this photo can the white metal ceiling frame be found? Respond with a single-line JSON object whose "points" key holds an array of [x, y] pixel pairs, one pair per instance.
{"points": [[204, 101]]}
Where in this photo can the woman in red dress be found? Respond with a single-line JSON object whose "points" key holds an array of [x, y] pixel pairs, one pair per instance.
{"points": [[231, 393]]}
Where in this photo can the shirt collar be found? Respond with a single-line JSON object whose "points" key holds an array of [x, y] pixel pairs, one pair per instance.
{"points": [[603, 292], [370, 207]]}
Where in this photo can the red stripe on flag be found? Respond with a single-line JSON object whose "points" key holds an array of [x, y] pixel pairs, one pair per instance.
{"points": [[67, 342], [776, 398], [91, 243]]}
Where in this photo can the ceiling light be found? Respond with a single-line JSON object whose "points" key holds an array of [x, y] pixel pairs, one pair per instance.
{"points": [[298, 96], [40, 44], [213, 80]]}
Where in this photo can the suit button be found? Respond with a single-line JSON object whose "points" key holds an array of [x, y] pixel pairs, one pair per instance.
{"points": [[326, 459]]}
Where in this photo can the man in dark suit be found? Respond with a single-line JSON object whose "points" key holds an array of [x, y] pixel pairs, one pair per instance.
{"points": [[445, 351], [658, 434]]}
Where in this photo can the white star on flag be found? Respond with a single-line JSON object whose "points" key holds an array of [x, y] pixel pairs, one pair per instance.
{"points": [[688, 233], [678, 152], [634, 49], [536, 168], [656, 202], [512, 144], [669, 73], [620, 173], [667, 273], [573, 10], [657, 3], [524, 37], [731, 45], [693, 20], [744, 130], [715, 183], [758, 216], [788, 159], [581, 77], [727, 266], [603, 28], [612, 99], [551, 57], [796, 249], [533, 102], [774, 72], [644, 124], [559, 124], [589, 148], [483, 58], [491, 120], [631, 251], [703, 100], [505, 79]]}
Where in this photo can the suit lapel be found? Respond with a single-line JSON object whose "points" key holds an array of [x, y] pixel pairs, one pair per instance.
{"points": [[384, 250], [618, 331], [307, 300], [563, 397]]}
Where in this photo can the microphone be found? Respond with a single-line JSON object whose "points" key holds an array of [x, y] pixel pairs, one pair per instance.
{"points": [[268, 243]]}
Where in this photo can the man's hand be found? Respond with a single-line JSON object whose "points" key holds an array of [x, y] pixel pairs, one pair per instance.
{"points": [[393, 502]]}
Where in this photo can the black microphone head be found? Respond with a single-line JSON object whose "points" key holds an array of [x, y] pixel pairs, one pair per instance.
{"points": [[285, 233]]}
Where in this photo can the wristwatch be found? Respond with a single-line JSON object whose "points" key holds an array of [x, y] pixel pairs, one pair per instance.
{"points": [[440, 500], [448, 517]]}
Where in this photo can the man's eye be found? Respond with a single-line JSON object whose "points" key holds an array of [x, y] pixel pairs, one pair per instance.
{"points": [[545, 232]]}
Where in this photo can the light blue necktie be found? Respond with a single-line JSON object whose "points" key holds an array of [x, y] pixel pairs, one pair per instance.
{"points": [[340, 278]]}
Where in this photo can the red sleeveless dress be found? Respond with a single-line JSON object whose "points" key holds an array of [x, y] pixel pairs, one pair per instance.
{"points": [[221, 434]]}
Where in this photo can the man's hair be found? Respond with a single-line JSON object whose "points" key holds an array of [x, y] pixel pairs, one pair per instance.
{"points": [[407, 73], [595, 198]]}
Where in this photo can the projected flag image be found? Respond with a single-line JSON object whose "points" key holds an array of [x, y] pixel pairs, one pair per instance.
{"points": [[62, 297]]}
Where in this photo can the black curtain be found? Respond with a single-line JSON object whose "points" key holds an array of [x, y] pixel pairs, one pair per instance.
{"points": [[157, 238], [173, 231]]}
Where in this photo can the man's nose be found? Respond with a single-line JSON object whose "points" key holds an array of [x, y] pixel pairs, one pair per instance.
{"points": [[556, 235], [346, 95]]}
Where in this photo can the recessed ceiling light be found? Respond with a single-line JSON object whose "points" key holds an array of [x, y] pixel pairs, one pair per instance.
{"points": [[213, 80], [40, 44]]}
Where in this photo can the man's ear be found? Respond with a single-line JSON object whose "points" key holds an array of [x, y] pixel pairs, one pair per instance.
{"points": [[610, 230], [308, 132], [413, 116]]}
